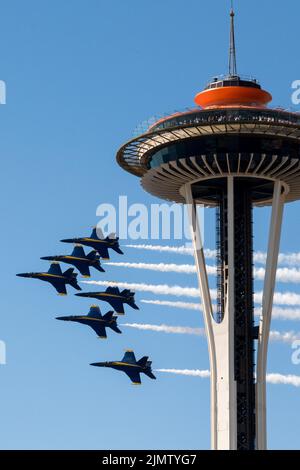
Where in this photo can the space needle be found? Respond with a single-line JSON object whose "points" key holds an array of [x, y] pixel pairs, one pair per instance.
{"points": [[232, 153]]}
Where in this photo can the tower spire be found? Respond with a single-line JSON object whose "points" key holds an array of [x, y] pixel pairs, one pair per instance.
{"points": [[232, 51]]}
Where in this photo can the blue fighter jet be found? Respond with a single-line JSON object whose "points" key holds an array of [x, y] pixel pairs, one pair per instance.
{"points": [[130, 366], [114, 297], [56, 277], [96, 321], [98, 242], [80, 260]]}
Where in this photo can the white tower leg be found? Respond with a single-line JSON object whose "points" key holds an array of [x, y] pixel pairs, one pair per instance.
{"points": [[220, 336], [265, 319]]}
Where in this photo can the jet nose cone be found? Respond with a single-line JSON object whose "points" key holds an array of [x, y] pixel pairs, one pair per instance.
{"points": [[61, 318], [23, 275], [83, 294], [68, 240], [48, 258], [98, 364]]}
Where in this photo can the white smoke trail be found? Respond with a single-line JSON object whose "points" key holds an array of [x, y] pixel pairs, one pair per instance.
{"points": [[161, 289], [288, 259], [284, 313], [167, 303], [291, 275], [181, 250], [187, 330], [277, 312], [190, 372], [163, 267], [284, 379], [280, 298], [272, 378], [276, 336], [284, 337]]}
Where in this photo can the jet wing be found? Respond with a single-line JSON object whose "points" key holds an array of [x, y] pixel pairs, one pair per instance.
{"points": [[78, 252], [60, 286], [94, 311], [117, 305], [99, 330], [103, 251], [83, 268], [113, 290], [55, 269], [97, 233], [129, 357], [134, 376]]}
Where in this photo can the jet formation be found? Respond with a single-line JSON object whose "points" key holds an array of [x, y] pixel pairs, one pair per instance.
{"points": [[112, 295]]}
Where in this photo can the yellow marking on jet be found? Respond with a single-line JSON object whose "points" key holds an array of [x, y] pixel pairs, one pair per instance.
{"points": [[91, 318], [118, 363], [51, 275], [107, 294], [93, 240]]}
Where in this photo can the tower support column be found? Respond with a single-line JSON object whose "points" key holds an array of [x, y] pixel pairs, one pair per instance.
{"points": [[231, 331], [220, 336], [266, 314]]}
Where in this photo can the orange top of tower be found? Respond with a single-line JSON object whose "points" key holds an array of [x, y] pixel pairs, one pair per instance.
{"points": [[226, 93], [232, 91]]}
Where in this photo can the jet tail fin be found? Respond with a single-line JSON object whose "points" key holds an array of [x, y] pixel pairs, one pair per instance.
{"points": [[99, 267], [133, 305], [143, 361], [73, 283], [72, 278], [150, 374], [115, 328], [92, 254], [108, 316], [116, 247], [69, 272]]}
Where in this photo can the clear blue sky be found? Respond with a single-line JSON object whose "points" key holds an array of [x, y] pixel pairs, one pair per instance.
{"points": [[80, 76]]}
